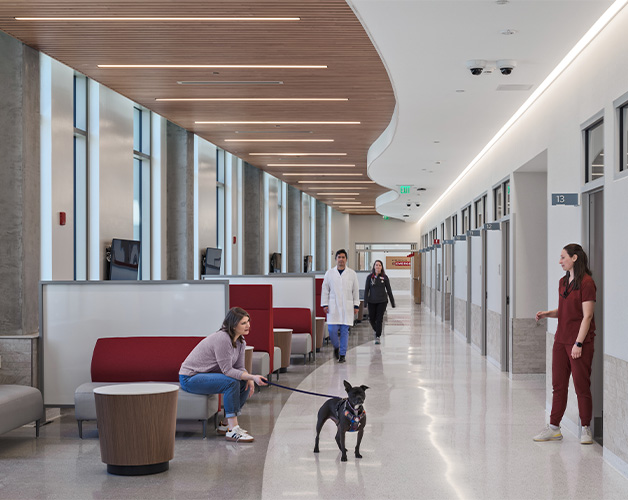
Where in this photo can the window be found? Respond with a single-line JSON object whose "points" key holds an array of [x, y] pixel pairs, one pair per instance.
{"points": [[220, 198], [623, 138], [480, 209], [454, 225], [466, 215], [141, 186], [80, 177], [498, 202], [594, 151], [507, 197]]}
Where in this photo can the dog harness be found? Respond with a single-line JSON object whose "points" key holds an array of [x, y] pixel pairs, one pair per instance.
{"points": [[354, 416]]}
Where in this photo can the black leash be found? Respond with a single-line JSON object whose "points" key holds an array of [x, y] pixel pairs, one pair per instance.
{"points": [[299, 390]]}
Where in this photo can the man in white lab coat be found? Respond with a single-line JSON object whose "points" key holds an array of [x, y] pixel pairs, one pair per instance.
{"points": [[340, 298]]}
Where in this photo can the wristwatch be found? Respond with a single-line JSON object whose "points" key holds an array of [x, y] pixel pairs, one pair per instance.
{"points": [[579, 344]]}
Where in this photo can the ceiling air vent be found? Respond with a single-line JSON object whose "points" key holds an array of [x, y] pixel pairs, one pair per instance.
{"points": [[514, 86]]}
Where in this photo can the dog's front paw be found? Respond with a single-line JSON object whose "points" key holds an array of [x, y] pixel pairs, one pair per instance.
{"points": [[343, 458], [316, 450], [357, 454]]}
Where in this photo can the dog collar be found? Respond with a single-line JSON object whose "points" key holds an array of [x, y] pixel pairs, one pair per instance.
{"points": [[354, 416]]}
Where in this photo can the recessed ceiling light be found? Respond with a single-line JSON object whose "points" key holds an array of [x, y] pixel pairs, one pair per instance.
{"points": [[322, 174], [310, 165], [279, 140], [246, 99], [276, 123], [189, 19], [297, 154], [205, 66], [221, 82], [338, 194]]}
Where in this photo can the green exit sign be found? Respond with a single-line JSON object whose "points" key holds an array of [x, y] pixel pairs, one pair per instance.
{"points": [[386, 217], [404, 189]]}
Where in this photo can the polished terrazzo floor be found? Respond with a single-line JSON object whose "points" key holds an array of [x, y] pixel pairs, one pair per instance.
{"points": [[442, 424]]}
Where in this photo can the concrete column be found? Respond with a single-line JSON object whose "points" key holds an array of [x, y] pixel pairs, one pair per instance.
{"points": [[295, 263], [180, 203], [253, 191], [321, 235], [20, 224]]}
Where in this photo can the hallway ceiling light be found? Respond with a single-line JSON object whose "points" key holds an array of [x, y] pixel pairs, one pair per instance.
{"points": [[347, 203], [335, 182], [222, 82], [158, 19], [323, 174], [310, 165], [277, 123], [279, 140], [336, 188], [340, 200], [297, 154], [247, 99], [204, 66], [338, 194]]}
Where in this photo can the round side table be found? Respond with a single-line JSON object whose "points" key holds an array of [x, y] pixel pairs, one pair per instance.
{"points": [[136, 427]]}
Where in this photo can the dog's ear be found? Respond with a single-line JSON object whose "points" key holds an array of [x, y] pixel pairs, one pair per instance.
{"points": [[364, 387], [347, 385]]}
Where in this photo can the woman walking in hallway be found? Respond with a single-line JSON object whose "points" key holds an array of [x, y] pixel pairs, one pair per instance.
{"points": [[572, 353], [376, 292]]}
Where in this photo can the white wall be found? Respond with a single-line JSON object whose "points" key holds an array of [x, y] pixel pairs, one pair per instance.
{"points": [[460, 269], [494, 271]]}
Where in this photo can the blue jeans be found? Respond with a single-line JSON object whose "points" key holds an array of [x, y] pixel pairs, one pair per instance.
{"points": [[341, 343], [235, 392]]}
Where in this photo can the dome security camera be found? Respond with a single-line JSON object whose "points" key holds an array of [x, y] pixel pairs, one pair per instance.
{"points": [[476, 66], [506, 66], [417, 205], [408, 204]]}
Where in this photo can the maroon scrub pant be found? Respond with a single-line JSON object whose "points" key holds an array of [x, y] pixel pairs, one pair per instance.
{"points": [[563, 365]]}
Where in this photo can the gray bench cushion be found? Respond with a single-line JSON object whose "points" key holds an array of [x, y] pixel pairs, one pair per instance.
{"points": [[261, 363], [301, 344], [19, 405]]}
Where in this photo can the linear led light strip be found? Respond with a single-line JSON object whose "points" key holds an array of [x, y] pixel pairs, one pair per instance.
{"points": [[335, 188], [203, 66], [335, 182], [347, 203], [322, 174], [297, 154], [588, 37], [310, 165], [192, 19], [279, 140], [239, 99], [339, 194], [277, 123]]}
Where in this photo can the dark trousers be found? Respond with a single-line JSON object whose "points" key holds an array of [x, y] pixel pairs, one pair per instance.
{"points": [[376, 316], [563, 365]]}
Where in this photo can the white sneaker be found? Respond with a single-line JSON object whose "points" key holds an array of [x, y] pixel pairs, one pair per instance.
{"points": [[549, 434], [223, 428], [585, 435], [239, 435]]}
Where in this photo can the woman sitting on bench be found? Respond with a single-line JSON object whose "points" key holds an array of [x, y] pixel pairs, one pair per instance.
{"points": [[216, 366]]}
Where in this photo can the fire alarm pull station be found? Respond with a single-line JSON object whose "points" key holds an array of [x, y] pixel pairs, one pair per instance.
{"points": [[62, 218]]}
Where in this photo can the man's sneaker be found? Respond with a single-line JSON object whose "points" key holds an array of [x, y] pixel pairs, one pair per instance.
{"points": [[549, 434], [585, 435], [341, 359], [337, 352], [239, 435], [377, 340]]}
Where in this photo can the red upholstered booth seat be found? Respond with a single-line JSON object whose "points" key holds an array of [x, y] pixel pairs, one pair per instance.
{"points": [[297, 318], [257, 300], [319, 289], [140, 359]]}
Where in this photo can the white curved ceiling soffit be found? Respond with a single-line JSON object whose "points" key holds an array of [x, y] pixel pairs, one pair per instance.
{"points": [[445, 115]]}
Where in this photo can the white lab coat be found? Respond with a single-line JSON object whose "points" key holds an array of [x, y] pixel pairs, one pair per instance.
{"points": [[340, 292]]}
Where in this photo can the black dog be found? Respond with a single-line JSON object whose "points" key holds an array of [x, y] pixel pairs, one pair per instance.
{"points": [[349, 416]]}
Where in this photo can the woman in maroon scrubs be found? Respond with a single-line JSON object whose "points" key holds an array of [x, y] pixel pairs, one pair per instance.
{"points": [[572, 353]]}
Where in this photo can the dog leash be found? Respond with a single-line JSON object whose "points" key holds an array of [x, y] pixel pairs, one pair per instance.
{"points": [[299, 390]]}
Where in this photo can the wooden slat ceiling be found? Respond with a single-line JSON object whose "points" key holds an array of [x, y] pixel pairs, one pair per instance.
{"points": [[328, 33]]}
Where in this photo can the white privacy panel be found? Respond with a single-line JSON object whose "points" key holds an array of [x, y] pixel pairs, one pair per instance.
{"points": [[476, 270], [494, 271], [74, 315]]}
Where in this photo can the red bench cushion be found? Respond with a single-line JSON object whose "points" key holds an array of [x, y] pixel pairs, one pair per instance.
{"points": [[140, 359], [297, 318]]}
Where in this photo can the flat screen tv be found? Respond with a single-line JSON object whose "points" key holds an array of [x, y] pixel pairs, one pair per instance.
{"points": [[275, 263], [124, 263], [212, 260]]}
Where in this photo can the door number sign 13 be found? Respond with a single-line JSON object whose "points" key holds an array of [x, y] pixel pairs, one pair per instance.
{"points": [[565, 199]]}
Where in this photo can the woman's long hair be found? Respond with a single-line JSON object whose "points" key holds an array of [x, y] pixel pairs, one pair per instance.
{"points": [[580, 266], [373, 273], [232, 319]]}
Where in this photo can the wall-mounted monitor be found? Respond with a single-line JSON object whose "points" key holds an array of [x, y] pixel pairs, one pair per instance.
{"points": [[307, 264], [124, 260], [275, 263], [211, 261]]}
